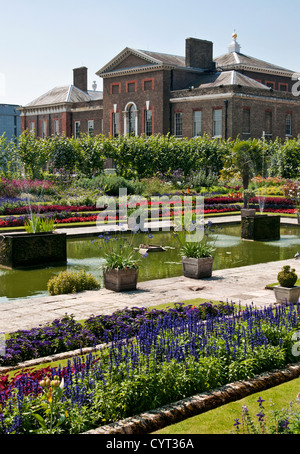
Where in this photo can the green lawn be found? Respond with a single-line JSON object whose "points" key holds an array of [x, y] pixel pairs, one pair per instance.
{"points": [[220, 420]]}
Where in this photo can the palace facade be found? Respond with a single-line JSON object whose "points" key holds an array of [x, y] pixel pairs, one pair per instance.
{"points": [[146, 93]]}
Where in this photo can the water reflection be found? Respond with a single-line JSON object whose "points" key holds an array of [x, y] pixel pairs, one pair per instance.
{"points": [[85, 254]]}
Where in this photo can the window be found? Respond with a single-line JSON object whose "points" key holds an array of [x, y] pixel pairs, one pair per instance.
{"points": [[44, 129], [283, 87], [115, 124], [77, 129], [197, 123], [56, 127], [217, 123], [131, 87], [246, 123], [178, 124], [148, 122], [91, 127], [268, 123], [148, 84], [115, 88], [131, 120], [270, 84], [32, 126], [288, 124]]}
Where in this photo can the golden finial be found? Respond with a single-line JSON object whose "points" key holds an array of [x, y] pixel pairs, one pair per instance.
{"points": [[234, 35]]}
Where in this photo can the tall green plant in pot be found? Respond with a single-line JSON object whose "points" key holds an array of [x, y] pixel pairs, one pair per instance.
{"points": [[121, 260], [196, 248]]}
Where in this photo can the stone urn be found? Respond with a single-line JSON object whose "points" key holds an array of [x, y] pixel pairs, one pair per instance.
{"points": [[120, 280], [197, 268]]}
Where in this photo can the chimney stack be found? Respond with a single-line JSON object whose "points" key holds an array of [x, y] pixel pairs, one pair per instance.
{"points": [[80, 78], [198, 53]]}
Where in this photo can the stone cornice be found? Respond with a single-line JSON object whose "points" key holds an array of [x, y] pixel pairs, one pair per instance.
{"points": [[232, 94], [56, 109], [40, 110], [135, 70]]}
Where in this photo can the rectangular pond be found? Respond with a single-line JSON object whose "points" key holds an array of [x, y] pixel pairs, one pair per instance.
{"points": [[85, 254]]}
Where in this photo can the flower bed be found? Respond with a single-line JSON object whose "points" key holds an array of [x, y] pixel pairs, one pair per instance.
{"points": [[26, 209], [73, 214], [170, 358], [67, 334]]}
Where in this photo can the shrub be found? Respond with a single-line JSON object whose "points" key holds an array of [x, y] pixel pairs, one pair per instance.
{"points": [[110, 184], [203, 179], [72, 282], [287, 277]]}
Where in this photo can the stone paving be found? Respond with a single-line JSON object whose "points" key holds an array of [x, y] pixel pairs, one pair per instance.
{"points": [[244, 284]]}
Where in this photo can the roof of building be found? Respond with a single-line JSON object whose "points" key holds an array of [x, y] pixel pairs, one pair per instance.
{"points": [[167, 59], [65, 94], [232, 60], [237, 60], [225, 78], [150, 58]]}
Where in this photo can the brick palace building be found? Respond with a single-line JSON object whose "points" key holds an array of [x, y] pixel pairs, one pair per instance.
{"points": [[155, 93]]}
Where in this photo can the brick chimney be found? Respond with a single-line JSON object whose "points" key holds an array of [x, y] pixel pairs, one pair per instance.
{"points": [[80, 78], [198, 53]]}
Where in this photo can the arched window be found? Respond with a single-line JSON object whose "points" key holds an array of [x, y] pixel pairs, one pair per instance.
{"points": [[131, 120]]}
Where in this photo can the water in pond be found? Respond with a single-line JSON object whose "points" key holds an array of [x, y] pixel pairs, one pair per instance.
{"points": [[230, 252]]}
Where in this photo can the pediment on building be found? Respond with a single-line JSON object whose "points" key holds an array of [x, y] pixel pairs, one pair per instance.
{"points": [[132, 60]]}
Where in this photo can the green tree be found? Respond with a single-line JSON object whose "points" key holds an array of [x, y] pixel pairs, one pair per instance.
{"points": [[10, 162], [65, 154], [32, 154], [246, 158]]}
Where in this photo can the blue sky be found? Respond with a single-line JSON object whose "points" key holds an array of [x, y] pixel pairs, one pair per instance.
{"points": [[41, 42]]}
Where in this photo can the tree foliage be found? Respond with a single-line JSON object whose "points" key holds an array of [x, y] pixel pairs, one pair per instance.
{"points": [[144, 157]]}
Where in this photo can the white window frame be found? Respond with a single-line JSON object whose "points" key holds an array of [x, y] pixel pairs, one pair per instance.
{"points": [[126, 118], [56, 127], [115, 124], [91, 127], [288, 124], [217, 123], [178, 124], [76, 125], [197, 123], [44, 129], [148, 122]]}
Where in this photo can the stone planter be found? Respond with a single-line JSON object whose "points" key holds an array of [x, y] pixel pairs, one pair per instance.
{"points": [[287, 295], [120, 280], [33, 250], [197, 268], [260, 228]]}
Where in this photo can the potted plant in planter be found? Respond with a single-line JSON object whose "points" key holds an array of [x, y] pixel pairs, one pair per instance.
{"points": [[197, 256], [287, 291], [39, 246], [121, 266]]}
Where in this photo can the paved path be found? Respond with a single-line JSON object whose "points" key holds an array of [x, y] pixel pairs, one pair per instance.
{"points": [[244, 284]]}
